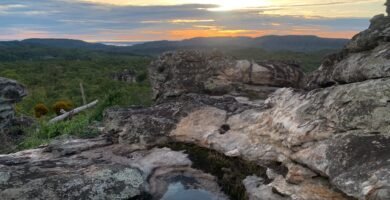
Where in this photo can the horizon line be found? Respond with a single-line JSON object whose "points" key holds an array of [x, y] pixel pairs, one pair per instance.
{"points": [[140, 41]]}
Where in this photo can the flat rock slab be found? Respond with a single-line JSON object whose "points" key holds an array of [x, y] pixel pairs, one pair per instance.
{"points": [[95, 169]]}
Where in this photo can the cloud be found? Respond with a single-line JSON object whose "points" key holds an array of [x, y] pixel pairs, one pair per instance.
{"points": [[108, 22], [178, 21]]}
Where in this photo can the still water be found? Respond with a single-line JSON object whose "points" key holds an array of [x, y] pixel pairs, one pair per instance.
{"points": [[177, 191]]}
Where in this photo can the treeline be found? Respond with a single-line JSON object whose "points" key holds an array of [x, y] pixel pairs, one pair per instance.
{"points": [[17, 51]]}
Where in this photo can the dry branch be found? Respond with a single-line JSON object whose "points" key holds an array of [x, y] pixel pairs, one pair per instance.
{"points": [[73, 112]]}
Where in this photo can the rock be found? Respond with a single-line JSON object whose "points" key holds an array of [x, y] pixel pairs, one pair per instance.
{"points": [[377, 33], [365, 57], [257, 190], [150, 126], [354, 67], [182, 72], [272, 174], [357, 163], [11, 127], [127, 75], [298, 174], [289, 122], [10, 92], [313, 189], [95, 169]]}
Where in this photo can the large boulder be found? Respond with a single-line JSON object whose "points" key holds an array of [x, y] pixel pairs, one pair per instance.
{"points": [[11, 127], [11, 92], [182, 72]]}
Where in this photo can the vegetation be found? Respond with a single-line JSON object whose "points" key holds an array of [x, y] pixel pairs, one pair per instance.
{"points": [[79, 126], [54, 82], [61, 106], [40, 110], [49, 81]]}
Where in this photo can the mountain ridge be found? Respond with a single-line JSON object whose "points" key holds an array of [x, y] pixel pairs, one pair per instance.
{"points": [[295, 43]]}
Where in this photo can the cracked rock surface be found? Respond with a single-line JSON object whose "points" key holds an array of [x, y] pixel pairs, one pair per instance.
{"points": [[95, 169]]}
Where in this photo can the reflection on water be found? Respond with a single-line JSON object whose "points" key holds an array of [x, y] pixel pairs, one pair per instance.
{"points": [[176, 191]]}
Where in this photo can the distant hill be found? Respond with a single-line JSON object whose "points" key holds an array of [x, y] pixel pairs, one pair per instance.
{"points": [[65, 43], [269, 43], [47, 49], [303, 43]]}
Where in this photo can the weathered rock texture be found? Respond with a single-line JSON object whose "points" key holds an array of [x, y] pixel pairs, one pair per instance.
{"points": [[11, 132], [95, 169], [365, 57], [10, 92], [292, 127], [177, 73]]}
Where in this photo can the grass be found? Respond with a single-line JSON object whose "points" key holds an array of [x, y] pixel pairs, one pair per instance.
{"points": [[79, 126]]}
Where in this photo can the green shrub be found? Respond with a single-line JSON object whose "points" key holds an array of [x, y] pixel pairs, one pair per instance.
{"points": [[62, 105], [141, 77], [79, 126], [40, 110]]}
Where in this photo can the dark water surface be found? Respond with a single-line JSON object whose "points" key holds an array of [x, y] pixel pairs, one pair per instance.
{"points": [[177, 191]]}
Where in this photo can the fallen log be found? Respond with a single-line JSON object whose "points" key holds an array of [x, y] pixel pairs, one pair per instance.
{"points": [[73, 112]]}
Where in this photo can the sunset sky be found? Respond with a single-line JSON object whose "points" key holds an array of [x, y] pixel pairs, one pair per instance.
{"points": [[146, 20]]}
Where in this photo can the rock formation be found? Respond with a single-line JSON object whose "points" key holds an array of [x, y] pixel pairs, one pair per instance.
{"points": [[128, 76], [321, 133], [11, 133], [11, 92], [365, 57], [177, 73]]}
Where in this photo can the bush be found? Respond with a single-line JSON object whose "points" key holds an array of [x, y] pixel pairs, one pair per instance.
{"points": [[40, 110], [62, 105], [79, 127], [141, 77]]}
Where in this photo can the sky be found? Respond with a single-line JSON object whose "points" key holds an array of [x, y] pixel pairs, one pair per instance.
{"points": [[147, 20]]}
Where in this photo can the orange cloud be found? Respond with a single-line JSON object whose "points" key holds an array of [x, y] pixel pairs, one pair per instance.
{"points": [[218, 32], [191, 33]]}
